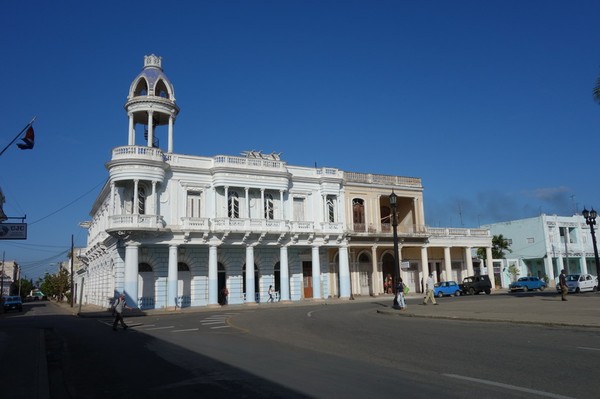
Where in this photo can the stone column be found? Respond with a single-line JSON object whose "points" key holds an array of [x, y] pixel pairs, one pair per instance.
{"points": [[131, 136], [344, 272], [549, 270], [448, 264], [170, 146], [213, 272], [130, 283], [172, 277], [284, 271], [316, 273], [150, 129], [135, 210], [250, 293], [490, 266], [374, 272], [424, 265], [469, 261]]}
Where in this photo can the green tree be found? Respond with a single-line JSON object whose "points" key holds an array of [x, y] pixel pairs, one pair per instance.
{"points": [[56, 284], [500, 246]]}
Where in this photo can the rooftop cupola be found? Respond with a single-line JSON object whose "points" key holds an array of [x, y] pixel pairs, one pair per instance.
{"points": [[151, 104]]}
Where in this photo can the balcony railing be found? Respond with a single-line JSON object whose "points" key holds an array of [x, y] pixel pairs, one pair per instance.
{"points": [[154, 222], [136, 222], [137, 152]]}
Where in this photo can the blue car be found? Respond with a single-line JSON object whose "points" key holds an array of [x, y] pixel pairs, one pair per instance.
{"points": [[448, 288], [527, 283]]}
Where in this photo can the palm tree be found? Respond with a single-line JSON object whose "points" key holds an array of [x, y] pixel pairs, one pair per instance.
{"points": [[500, 246]]}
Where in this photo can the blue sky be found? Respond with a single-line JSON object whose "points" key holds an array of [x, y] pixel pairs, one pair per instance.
{"points": [[490, 103]]}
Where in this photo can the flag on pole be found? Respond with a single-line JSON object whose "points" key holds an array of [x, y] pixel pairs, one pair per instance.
{"points": [[27, 140]]}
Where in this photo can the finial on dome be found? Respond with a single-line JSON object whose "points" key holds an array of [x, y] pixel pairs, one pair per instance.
{"points": [[153, 61]]}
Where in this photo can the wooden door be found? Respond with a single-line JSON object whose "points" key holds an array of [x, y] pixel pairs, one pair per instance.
{"points": [[307, 279]]}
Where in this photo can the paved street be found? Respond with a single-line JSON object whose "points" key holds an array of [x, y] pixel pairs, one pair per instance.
{"points": [[500, 345]]}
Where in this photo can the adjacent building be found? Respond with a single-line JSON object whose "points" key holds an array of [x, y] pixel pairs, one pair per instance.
{"points": [[544, 245], [175, 230]]}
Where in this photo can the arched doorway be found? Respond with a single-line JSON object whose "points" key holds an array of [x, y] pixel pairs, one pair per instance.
{"points": [[184, 285], [388, 272], [364, 274], [146, 279], [221, 283]]}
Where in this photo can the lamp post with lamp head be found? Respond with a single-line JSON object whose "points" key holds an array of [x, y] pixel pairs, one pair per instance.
{"points": [[590, 220], [393, 204]]}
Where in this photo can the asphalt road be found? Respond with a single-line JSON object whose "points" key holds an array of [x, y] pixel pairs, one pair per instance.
{"points": [[342, 350]]}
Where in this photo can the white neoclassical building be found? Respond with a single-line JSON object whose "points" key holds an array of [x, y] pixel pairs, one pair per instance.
{"points": [[170, 229]]}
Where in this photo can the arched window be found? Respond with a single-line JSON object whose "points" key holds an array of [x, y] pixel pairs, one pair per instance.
{"points": [[269, 207], [330, 209], [233, 205]]}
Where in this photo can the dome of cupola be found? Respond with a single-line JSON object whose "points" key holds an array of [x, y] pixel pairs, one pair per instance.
{"points": [[152, 81]]}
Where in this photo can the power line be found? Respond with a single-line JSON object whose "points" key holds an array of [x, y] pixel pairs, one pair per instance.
{"points": [[69, 204]]}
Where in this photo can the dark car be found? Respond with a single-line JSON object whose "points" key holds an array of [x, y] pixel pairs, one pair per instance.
{"points": [[12, 303], [475, 284], [527, 283]]}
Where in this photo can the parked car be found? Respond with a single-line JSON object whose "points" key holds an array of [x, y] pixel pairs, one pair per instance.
{"points": [[527, 283], [446, 288], [12, 303], [580, 283], [475, 284]]}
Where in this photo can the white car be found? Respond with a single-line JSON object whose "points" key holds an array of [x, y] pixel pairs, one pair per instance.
{"points": [[581, 283]]}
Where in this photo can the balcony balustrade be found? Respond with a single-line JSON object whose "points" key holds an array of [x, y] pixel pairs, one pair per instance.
{"points": [[136, 221]]}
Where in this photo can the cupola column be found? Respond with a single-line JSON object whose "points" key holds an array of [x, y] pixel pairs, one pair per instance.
{"points": [[170, 147], [150, 129], [131, 139]]}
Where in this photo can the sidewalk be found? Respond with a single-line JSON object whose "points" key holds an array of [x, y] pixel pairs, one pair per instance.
{"points": [[543, 308]]}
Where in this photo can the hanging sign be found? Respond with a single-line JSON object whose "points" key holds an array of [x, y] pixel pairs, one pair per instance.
{"points": [[13, 231]]}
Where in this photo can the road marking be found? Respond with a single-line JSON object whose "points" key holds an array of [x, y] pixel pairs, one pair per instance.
{"points": [[588, 349], [221, 327], [204, 323], [160, 328], [507, 386], [187, 329]]}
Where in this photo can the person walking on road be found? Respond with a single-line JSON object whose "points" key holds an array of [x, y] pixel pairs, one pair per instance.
{"points": [[270, 294], [119, 307], [400, 294], [429, 287], [562, 282]]}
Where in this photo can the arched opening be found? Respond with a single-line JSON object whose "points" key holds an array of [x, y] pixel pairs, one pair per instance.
{"points": [[221, 283], [184, 285], [277, 276], [146, 297], [387, 268], [364, 274]]}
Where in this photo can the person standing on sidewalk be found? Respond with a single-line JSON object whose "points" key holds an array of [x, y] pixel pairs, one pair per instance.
{"points": [[562, 282], [270, 294], [119, 307], [429, 287]]}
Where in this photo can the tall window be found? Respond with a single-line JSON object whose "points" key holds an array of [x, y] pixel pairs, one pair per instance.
{"points": [[330, 209], [269, 207], [358, 214], [233, 205], [141, 200], [299, 209], [193, 204]]}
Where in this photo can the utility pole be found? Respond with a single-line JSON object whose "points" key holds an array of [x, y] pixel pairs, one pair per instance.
{"points": [[72, 287]]}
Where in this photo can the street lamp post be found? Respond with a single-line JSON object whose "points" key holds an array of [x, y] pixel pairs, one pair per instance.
{"points": [[393, 204], [590, 220]]}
